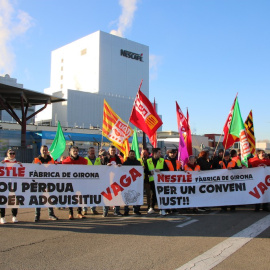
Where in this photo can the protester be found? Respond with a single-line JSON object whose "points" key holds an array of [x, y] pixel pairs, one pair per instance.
{"points": [[217, 159], [147, 189], [44, 158], [236, 158], [173, 165], [112, 159], [239, 153], [192, 165], [189, 167], [102, 154], [92, 160], [121, 156], [10, 158], [227, 163], [132, 161], [75, 159], [171, 160], [155, 164], [203, 161], [259, 161]]}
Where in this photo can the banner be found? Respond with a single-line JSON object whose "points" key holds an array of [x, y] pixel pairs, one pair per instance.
{"points": [[212, 188], [32, 185]]}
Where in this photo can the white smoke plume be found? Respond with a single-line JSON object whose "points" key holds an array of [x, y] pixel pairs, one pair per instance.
{"points": [[126, 18], [12, 24]]}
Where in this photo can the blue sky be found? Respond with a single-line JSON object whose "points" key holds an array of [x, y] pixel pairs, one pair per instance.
{"points": [[202, 52]]}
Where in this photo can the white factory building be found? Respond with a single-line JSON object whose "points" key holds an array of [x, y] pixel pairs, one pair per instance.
{"points": [[87, 71]]}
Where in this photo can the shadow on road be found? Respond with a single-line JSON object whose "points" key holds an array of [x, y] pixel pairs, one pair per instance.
{"points": [[152, 225]]}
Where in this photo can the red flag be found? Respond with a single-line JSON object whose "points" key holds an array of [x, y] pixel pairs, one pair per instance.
{"points": [[188, 136], [229, 139], [144, 116], [181, 119], [153, 139]]}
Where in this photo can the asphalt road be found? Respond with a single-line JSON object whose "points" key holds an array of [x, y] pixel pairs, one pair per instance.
{"points": [[146, 242]]}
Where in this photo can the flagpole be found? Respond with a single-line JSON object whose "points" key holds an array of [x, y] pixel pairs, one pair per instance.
{"points": [[218, 143], [135, 99], [102, 126], [101, 141], [133, 106], [144, 141]]}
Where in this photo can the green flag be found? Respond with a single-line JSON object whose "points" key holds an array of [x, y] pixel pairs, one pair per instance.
{"points": [[59, 143], [135, 144], [237, 129]]}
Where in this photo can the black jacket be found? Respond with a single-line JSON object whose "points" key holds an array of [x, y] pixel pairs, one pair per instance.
{"points": [[106, 160], [132, 162], [204, 164]]}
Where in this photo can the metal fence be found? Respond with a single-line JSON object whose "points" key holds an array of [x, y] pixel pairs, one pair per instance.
{"points": [[24, 154]]}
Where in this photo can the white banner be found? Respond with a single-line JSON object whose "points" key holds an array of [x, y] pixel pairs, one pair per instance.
{"points": [[33, 185], [212, 188]]}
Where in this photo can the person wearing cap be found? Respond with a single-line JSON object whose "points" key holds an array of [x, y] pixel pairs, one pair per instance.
{"points": [[92, 161], [228, 163], [171, 160], [9, 159], [217, 159]]}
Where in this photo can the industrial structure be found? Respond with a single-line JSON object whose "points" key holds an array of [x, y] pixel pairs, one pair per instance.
{"points": [[87, 71]]}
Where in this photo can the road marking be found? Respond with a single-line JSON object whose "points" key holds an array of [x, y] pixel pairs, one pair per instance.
{"points": [[213, 213], [179, 219], [187, 223], [220, 252]]}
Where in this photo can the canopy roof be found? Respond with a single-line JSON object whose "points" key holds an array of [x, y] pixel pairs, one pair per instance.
{"points": [[12, 95]]}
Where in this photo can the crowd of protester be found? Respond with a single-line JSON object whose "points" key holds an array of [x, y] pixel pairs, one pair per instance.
{"points": [[151, 162]]}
